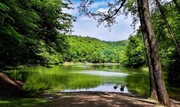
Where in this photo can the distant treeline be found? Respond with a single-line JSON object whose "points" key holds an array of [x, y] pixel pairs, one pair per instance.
{"points": [[82, 49]]}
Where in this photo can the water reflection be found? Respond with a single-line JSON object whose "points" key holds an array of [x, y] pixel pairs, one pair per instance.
{"points": [[80, 78], [101, 88], [103, 73]]}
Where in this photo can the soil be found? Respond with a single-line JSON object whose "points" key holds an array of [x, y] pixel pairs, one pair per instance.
{"points": [[100, 99]]}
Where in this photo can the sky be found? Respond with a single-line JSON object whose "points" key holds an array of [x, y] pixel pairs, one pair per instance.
{"points": [[85, 26]]}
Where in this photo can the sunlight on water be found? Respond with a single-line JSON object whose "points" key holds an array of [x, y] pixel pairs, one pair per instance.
{"points": [[103, 73], [101, 88], [80, 78]]}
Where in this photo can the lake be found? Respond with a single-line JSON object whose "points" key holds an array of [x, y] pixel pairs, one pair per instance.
{"points": [[74, 78]]}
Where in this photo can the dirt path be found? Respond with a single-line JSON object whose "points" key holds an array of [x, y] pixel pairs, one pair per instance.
{"points": [[100, 99]]}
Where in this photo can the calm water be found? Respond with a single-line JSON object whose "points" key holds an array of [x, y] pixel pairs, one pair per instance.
{"points": [[108, 78]]}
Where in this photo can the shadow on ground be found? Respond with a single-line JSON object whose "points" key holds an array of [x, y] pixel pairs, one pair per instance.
{"points": [[83, 99], [101, 99]]}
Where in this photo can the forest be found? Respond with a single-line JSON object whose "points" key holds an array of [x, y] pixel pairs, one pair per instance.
{"points": [[86, 49], [37, 32]]}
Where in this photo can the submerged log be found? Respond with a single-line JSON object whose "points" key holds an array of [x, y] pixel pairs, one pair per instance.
{"points": [[10, 87]]}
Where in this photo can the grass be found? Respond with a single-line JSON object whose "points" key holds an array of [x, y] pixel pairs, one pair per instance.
{"points": [[21, 102]]}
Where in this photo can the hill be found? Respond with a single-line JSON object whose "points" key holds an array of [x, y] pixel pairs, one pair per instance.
{"points": [[93, 50]]}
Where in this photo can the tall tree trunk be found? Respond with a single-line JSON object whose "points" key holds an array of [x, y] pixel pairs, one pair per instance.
{"points": [[152, 51], [153, 93], [167, 25], [178, 7]]}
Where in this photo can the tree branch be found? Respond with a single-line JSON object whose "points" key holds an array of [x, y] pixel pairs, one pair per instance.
{"points": [[116, 10], [106, 16]]}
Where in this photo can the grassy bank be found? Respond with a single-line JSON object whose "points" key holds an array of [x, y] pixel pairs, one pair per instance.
{"points": [[21, 102]]}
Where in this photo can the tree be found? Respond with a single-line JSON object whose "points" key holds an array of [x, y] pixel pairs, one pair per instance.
{"points": [[161, 9], [93, 50], [33, 31], [152, 52], [176, 3], [168, 53], [154, 64], [135, 51]]}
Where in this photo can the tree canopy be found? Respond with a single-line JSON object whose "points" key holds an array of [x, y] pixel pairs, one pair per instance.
{"points": [[30, 29], [82, 49]]}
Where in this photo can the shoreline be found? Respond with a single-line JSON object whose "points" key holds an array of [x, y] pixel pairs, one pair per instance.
{"points": [[83, 99], [100, 99], [88, 63]]}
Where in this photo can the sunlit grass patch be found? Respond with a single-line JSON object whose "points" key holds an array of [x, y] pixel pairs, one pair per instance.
{"points": [[21, 102]]}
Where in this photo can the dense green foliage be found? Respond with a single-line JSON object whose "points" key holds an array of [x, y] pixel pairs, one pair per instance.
{"points": [[135, 52], [32, 31], [168, 52], [93, 50]]}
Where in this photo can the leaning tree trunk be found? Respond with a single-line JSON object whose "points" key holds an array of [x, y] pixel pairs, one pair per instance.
{"points": [[178, 7], [153, 93], [152, 51], [167, 25]]}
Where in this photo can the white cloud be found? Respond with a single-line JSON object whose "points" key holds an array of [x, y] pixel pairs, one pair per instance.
{"points": [[73, 11], [119, 31], [85, 18], [86, 26], [102, 10], [95, 5], [98, 4]]}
